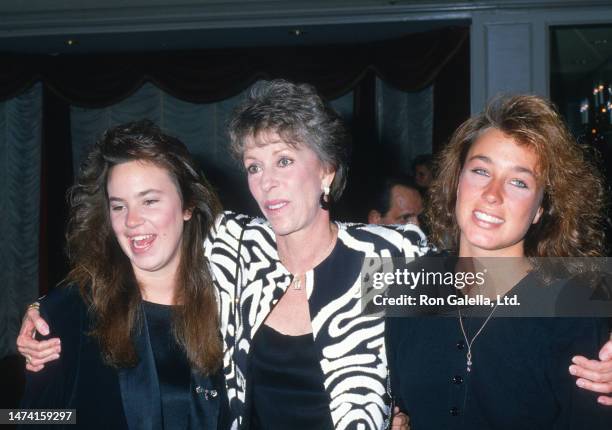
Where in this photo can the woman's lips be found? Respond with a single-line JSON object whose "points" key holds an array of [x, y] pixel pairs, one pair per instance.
{"points": [[274, 206], [141, 243], [487, 219]]}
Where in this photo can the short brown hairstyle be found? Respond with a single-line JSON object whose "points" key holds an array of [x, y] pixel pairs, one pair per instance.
{"points": [[299, 115], [574, 201]]}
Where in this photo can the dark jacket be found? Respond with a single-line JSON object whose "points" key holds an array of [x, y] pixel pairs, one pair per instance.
{"points": [[105, 397], [519, 376]]}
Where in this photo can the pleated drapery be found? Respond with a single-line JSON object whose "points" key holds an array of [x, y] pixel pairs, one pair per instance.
{"points": [[404, 124], [20, 158], [202, 127]]}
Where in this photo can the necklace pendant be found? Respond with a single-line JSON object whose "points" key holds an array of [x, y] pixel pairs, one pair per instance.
{"points": [[296, 284]]}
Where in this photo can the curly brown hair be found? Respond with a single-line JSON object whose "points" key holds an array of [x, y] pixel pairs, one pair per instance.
{"points": [[574, 200], [103, 272]]}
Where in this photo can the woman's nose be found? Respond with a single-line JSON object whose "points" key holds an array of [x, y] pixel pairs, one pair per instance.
{"points": [[133, 218], [269, 179], [493, 192]]}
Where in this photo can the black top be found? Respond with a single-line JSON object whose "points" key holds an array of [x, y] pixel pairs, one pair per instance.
{"points": [[287, 383], [349, 344], [134, 397], [519, 376], [173, 370]]}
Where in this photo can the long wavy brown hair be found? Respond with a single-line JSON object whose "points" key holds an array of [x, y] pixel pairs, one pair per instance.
{"points": [[104, 273], [574, 200]]}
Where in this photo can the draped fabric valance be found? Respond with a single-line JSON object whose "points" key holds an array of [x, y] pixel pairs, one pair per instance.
{"points": [[409, 64]]}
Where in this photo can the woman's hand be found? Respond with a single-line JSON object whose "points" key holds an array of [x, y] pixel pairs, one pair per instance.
{"points": [[595, 375], [36, 353], [400, 420]]}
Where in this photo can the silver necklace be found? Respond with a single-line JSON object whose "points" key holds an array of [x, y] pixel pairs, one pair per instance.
{"points": [[469, 343]]}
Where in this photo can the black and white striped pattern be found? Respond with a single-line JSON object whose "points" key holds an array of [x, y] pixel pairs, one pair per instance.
{"points": [[251, 279]]}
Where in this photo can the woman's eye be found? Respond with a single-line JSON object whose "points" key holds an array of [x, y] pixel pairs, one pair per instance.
{"points": [[150, 202], [252, 169], [284, 162], [519, 183], [116, 208], [480, 171]]}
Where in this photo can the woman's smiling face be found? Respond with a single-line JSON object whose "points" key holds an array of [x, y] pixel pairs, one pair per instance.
{"points": [[147, 216], [498, 196]]}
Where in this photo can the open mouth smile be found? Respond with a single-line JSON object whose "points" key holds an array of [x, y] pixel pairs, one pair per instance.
{"points": [[142, 242], [485, 217], [275, 205]]}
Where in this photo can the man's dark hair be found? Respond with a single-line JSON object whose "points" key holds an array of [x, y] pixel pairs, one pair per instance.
{"points": [[423, 160], [381, 194]]}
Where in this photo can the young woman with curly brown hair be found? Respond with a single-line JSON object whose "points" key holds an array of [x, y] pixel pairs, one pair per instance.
{"points": [[511, 183], [138, 316], [572, 200]]}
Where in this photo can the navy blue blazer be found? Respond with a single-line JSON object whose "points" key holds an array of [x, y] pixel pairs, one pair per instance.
{"points": [[105, 397]]}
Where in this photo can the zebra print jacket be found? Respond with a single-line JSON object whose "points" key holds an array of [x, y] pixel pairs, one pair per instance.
{"points": [[251, 279]]}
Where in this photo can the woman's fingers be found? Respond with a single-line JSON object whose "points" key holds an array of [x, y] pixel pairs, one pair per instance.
{"points": [[39, 349], [605, 354], [31, 321], [593, 375], [605, 400], [597, 387], [34, 315], [599, 371], [34, 368], [42, 358], [400, 420], [601, 375], [36, 352]]}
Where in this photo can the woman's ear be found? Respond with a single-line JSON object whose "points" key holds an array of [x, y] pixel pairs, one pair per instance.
{"points": [[187, 213], [543, 202], [538, 215], [328, 177]]}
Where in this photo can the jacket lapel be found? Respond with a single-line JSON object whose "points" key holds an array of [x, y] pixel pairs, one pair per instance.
{"points": [[140, 387]]}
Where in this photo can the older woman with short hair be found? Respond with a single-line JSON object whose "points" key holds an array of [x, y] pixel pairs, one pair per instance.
{"points": [[301, 352]]}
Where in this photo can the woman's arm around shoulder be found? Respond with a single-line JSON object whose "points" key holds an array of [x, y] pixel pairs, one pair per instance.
{"points": [[62, 309], [578, 336]]}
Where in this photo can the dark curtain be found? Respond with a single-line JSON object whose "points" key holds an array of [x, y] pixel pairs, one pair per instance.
{"points": [[57, 176], [451, 96], [409, 64]]}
